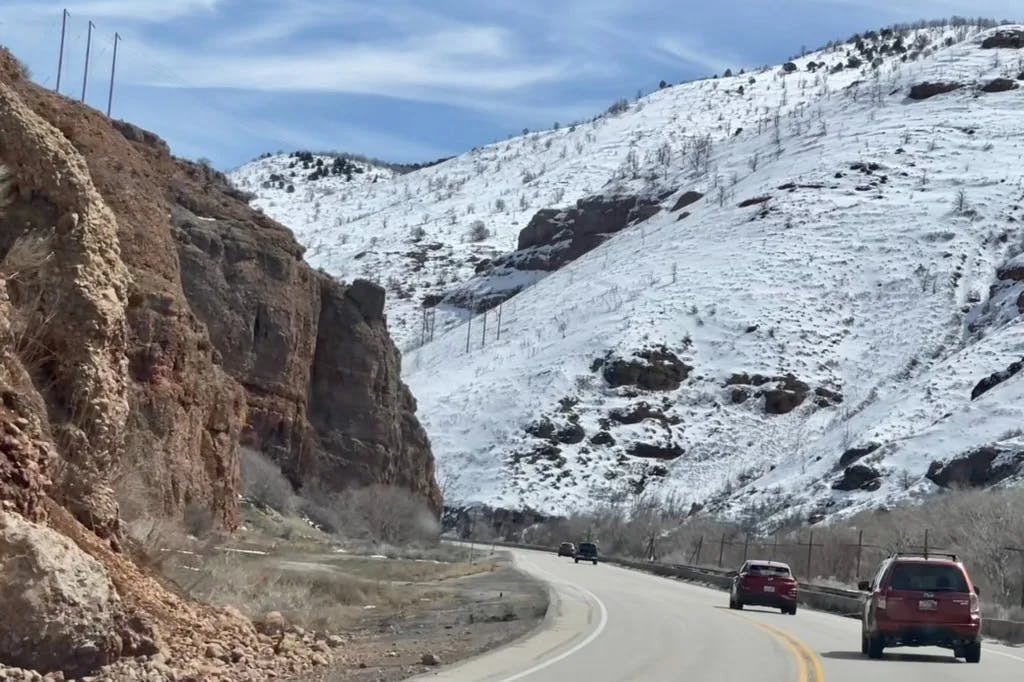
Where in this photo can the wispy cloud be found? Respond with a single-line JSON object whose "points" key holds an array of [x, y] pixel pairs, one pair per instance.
{"points": [[434, 67], [142, 11], [459, 73]]}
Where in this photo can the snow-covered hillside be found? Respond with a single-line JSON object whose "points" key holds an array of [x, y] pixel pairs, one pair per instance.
{"points": [[851, 274]]}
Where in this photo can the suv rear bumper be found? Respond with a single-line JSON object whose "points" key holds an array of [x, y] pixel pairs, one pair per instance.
{"points": [[777, 601], [950, 636]]}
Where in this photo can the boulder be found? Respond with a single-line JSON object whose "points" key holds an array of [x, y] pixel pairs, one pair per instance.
{"points": [[60, 609], [654, 369], [656, 451], [999, 85], [570, 434], [927, 90], [602, 438], [857, 477], [979, 468], [781, 401], [542, 428]]}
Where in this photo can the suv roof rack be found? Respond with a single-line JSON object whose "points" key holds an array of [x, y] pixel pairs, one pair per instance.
{"points": [[927, 554]]}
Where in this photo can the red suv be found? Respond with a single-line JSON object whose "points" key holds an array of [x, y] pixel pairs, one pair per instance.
{"points": [[764, 583], [922, 600]]}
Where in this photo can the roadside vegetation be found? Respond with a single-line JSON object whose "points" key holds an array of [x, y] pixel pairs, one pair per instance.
{"points": [[980, 526], [325, 561]]}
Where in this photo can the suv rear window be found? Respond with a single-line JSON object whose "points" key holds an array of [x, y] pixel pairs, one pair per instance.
{"points": [[773, 571], [928, 578], [588, 547]]}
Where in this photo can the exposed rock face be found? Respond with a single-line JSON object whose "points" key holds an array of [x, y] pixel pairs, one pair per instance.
{"points": [[552, 239], [996, 378], [61, 611], [149, 321], [928, 90], [1008, 39], [977, 469], [653, 369], [858, 477], [785, 393], [686, 199], [853, 454], [585, 226], [363, 416], [211, 328], [999, 85], [83, 283]]}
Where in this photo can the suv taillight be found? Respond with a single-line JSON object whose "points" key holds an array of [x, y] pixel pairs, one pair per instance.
{"points": [[975, 604], [880, 602]]}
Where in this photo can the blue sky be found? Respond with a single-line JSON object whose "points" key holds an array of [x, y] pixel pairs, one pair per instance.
{"points": [[412, 81]]}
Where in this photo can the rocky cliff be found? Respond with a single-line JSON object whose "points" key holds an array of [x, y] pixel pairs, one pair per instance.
{"points": [[151, 323]]}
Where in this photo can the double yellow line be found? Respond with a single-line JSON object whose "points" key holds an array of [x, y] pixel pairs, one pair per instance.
{"points": [[808, 664]]}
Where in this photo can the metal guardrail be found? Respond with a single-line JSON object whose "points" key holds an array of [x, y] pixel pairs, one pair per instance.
{"points": [[832, 599]]}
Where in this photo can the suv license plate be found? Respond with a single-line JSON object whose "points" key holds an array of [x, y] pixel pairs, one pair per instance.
{"points": [[769, 588], [927, 605]]}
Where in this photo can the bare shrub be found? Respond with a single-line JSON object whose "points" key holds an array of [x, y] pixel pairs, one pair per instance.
{"points": [[23, 267], [376, 513], [264, 484], [477, 231]]}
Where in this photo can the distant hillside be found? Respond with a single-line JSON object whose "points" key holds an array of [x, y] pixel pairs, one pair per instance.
{"points": [[788, 293]]}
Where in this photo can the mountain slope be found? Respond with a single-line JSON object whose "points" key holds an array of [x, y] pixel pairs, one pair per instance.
{"points": [[832, 301]]}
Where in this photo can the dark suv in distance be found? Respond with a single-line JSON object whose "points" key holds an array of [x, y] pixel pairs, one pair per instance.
{"points": [[586, 551], [922, 600], [764, 583]]}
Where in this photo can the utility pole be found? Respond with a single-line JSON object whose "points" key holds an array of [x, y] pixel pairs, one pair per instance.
{"points": [[1018, 550], [860, 549], [810, 550], [483, 332], [60, 59], [499, 322], [721, 550], [113, 68], [88, 47], [469, 324]]}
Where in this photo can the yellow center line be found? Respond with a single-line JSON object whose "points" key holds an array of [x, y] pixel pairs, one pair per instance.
{"points": [[808, 664]]}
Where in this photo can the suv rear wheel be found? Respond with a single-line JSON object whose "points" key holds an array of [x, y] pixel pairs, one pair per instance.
{"points": [[972, 653], [876, 647]]}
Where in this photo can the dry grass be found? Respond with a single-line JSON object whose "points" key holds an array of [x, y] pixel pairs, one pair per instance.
{"points": [[317, 592]]}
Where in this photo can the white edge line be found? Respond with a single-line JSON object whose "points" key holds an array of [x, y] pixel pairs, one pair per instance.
{"points": [[602, 623], [1000, 653]]}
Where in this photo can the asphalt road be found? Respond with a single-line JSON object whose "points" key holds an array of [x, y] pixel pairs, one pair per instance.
{"points": [[609, 624]]}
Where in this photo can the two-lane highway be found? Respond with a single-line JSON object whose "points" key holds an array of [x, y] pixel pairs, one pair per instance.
{"points": [[608, 624]]}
